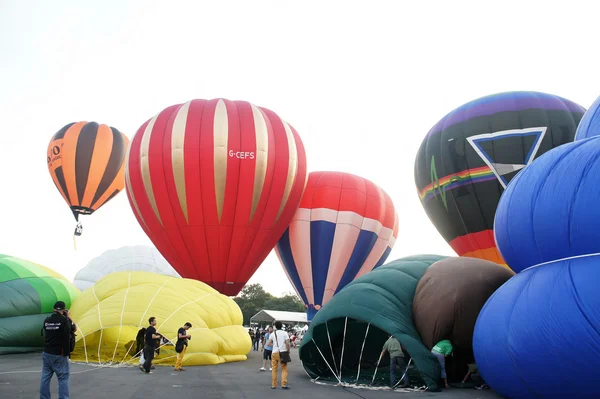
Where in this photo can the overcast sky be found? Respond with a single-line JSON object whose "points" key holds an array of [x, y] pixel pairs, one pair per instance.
{"points": [[362, 82]]}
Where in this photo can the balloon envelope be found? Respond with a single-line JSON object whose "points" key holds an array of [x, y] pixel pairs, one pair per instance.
{"points": [[537, 336], [28, 292], [347, 335], [214, 184], [86, 162], [132, 258], [550, 211], [590, 123], [345, 227], [468, 158], [110, 316], [448, 300]]}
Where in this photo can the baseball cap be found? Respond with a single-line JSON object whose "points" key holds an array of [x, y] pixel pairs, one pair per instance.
{"points": [[59, 305]]}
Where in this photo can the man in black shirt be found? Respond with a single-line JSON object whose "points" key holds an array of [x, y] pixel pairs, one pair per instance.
{"points": [[181, 345], [151, 336], [57, 348]]}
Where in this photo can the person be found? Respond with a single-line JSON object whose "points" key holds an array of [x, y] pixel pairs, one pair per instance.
{"points": [[151, 336], [472, 369], [394, 348], [256, 339], [267, 351], [280, 342], [182, 342], [72, 332], [57, 348], [441, 350], [251, 333], [139, 341]]}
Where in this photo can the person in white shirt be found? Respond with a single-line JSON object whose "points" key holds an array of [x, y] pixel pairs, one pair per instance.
{"points": [[280, 342]]}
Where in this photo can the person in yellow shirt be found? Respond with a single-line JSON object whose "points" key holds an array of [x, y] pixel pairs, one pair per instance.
{"points": [[181, 345]]}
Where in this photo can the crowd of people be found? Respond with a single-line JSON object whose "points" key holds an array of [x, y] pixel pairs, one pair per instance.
{"points": [[275, 343]]}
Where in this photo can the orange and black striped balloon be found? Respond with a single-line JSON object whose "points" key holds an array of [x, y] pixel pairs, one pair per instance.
{"points": [[86, 162]]}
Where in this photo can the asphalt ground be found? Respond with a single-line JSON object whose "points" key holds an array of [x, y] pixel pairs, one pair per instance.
{"points": [[20, 378]]}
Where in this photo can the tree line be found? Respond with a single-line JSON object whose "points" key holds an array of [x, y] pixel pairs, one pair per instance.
{"points": [[253, 298]]}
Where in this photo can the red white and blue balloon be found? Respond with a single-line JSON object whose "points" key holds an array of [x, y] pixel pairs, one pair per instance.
{"points": [[345, 227]]}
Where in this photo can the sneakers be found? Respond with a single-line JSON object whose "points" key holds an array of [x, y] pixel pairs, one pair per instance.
{"points": [[262, 369], [270, 368]]}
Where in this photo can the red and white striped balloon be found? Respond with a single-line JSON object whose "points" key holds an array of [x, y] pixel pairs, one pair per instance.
{"points": [[214, 184]]}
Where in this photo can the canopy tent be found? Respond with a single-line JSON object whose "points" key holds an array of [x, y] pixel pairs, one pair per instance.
{"points": [[346, 337], [272, 316]]}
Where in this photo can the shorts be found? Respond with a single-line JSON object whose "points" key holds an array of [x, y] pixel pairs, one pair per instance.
{"points": [[267, 354], [472, 368]]}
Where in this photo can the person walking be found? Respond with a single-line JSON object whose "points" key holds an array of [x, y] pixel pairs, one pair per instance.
{"points": [[267, 350], [151, 337], [181, 345], [280, 342], [57, 348]]}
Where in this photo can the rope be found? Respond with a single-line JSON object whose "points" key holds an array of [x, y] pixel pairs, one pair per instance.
{"points": [[331, 347], [326, 362], [403, 375], [121, 322], [99, 320], [361, 352], [343, 346]]}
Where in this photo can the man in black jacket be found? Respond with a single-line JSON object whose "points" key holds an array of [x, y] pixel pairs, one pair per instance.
{"points": [[57, 348], [151, 336]]}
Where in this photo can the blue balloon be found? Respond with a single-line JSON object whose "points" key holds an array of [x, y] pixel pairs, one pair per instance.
{"points": [[589, 126], [538, 336], [551, 209]]}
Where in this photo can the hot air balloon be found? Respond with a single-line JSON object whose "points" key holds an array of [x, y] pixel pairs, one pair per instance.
{"points": [[538, 335], [85, 161], [345, 227], [214, 184], [590, 123], [110, 316], [142, 258], [469, 157]]}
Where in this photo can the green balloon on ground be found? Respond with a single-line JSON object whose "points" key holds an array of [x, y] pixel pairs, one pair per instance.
{"points": [[345, 339], [28, 292]]}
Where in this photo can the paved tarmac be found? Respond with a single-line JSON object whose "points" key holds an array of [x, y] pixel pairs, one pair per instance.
{"points": [[20, 379]]}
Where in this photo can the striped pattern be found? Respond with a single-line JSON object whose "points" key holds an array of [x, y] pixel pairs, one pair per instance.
{"points": [[214, 184], [478, 245], [446, 183], [345, 227], [27, 288], [86, 163], [503, 102]]}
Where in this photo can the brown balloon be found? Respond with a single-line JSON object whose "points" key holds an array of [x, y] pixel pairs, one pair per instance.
{"points": [[448, 300]]}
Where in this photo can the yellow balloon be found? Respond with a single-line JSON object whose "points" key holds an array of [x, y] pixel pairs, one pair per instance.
{"points": [[110, 313]]}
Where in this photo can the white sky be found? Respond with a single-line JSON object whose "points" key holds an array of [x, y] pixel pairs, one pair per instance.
{"points": [[362, 82]]}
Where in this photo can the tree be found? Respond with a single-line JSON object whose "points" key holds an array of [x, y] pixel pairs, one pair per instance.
{"points": [[288, 302], [253, 298]]}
